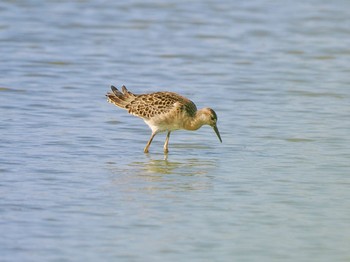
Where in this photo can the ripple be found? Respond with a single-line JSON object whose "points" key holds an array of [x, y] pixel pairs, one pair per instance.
{"points": [[316, 94], [299, 140]]}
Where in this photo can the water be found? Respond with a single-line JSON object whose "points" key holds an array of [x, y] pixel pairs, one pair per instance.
{"points": [[75, 184]]}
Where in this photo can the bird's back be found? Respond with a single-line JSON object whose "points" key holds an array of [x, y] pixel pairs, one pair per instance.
{"points": [[148, 106]]}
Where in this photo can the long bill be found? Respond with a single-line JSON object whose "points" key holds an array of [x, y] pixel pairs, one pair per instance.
{"points": [[217, 132]]}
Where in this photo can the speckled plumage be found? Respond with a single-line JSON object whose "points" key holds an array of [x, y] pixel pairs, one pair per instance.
{"points": [[163, 111]]}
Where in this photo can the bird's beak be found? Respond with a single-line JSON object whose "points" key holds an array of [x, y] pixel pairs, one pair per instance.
{"points": [[217, 132]]}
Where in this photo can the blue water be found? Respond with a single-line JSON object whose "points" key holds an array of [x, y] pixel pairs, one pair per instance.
{"points": [[75, 184]]}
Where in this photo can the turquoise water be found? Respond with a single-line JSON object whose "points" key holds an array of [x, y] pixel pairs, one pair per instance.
{"points": [[75, 184]]}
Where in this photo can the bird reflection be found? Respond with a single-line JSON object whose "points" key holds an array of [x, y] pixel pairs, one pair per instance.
{"points": [[152, 174]]}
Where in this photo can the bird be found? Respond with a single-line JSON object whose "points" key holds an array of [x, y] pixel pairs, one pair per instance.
{"points": [[163, 112]]}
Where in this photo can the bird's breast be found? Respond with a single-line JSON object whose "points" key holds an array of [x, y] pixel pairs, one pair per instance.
{"points": [[165, 123]]}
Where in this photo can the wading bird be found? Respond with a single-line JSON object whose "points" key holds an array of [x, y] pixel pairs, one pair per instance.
{"points": [[164, 111]]}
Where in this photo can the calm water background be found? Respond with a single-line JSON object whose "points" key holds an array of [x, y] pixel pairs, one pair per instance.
{"points": [[75, 184]]}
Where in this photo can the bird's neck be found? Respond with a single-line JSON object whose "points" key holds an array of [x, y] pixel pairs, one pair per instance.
{"points": [[196, 122]]}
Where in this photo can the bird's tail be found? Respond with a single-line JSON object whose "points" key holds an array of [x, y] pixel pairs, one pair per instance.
{"points": [[120, 99]]}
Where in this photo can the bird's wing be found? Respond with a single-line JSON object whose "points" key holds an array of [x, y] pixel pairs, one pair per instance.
{"points": [[150, 105]]}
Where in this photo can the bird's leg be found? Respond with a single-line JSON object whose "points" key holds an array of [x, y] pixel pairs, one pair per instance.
{"points": [[166, 149], [149, 142]]}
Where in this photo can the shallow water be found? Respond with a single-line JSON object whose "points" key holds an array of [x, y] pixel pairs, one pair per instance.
{"points": [[74, 182]]}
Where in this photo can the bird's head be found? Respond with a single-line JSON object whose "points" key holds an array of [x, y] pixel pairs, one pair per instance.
{"points": [[210, 118]]}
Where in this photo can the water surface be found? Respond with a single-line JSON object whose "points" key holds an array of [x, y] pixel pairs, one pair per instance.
{"points": [[74, 182]]}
